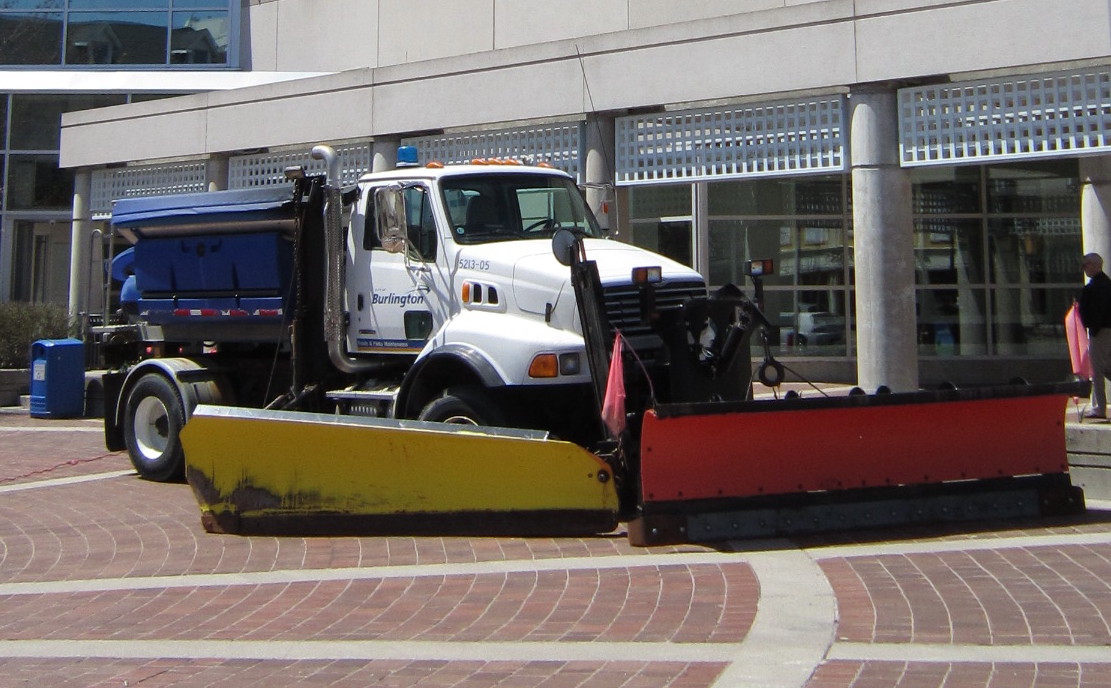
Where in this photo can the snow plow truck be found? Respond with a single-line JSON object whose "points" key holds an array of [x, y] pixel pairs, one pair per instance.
{"points": [[460, 349]]}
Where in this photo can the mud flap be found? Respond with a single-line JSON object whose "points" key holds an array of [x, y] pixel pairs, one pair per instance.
{"points": [[286, 472], [775, 468]]}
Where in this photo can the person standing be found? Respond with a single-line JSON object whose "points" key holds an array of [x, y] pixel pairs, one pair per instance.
{"points": [[1095, 313]]}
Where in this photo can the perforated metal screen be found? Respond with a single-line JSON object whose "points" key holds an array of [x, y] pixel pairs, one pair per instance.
{"points": [[143, 180], [557, 144], [268, 169], [759, 140], [1041, 116]]}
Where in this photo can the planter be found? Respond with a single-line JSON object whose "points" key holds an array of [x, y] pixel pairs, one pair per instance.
{"points": [[13, 383]]}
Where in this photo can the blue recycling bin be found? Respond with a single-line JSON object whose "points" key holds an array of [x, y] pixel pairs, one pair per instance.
{"points": [[57, 378]]}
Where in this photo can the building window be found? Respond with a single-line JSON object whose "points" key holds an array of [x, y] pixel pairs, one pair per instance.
{"points": [[661, 220], [116, 32], [996, 251], [30, 38], [36, 194], [801, 223]]}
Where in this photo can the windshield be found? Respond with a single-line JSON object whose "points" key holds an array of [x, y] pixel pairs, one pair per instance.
{"points": [[501, 207]]}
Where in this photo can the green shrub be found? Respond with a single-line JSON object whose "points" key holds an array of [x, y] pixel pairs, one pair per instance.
{"points": [[21, 324]]}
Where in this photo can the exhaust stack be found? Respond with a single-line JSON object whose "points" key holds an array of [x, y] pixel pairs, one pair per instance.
{"points": [[335, 268]]}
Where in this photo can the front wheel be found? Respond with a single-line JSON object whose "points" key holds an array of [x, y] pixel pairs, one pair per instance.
{"points": [[153, 418], [464, 406]]}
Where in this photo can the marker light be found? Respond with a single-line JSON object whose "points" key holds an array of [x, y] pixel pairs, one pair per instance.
{"points": [[759, 268], [544, 365], [647, 275], [407, 156]]}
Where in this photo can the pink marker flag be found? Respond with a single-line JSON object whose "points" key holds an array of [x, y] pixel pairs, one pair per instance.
{"points": [[613, 406], [1077, 338]]}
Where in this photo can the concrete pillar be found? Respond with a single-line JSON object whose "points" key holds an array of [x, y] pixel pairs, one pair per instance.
{"points": [[383, 153], [1095, 207], [216, 172], [80, 233], [883, 244], [599, 167]]}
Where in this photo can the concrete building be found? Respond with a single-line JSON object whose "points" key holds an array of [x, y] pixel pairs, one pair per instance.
{"points": [[925, 173], [62, 55]]}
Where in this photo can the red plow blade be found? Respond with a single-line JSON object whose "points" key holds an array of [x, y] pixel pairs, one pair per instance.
{"points": [[718, 471]]}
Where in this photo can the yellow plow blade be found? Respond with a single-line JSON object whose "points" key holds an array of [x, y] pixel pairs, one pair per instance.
{"points": [[275, 472]]}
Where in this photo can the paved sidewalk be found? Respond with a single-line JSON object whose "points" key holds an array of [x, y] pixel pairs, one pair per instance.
{"points": [[108, 580]]}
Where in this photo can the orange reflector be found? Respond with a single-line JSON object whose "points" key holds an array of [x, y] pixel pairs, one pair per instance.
{"points": [[435, 165], [544, 365], [465, 292]]}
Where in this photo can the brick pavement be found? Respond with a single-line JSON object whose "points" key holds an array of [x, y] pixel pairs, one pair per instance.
{"points": [[112, 582]]}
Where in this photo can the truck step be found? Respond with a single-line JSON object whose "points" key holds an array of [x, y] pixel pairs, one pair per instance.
{"points": [[378, 402]]}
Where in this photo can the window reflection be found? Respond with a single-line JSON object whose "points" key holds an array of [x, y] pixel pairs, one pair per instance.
{"points": [[995, 256], [952, 321], [199, 38], [36, 183], [660, 201], [1034, 250], [116, 38], [800, 224], [112, 32], [36, 118], [948, 251], [30, 38]]}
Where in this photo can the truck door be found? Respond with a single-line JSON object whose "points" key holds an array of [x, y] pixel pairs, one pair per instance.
{"points": [[396, 301]]}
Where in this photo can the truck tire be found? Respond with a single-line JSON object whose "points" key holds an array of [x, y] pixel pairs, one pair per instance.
{"points": [[152, 421], [464, 406]]}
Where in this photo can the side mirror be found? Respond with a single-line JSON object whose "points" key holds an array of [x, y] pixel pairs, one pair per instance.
{"points": [[390, 218], [564, 245]]}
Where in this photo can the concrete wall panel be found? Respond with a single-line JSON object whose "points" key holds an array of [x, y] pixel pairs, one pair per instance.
{"points": [[290, 120], [407, 32], [327, 35], [774, 48], [982, 36], [336, 107], [543, 90], [526, 22], [260, 24], [810, 57], [130, 137], [644, 13]]}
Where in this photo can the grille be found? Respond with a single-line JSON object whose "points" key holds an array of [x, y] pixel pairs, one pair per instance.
{"points": [[623, 304]]}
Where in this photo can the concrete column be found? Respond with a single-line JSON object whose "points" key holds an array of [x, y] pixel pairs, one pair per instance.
{"points": [[80, 232], [883, 244], [383, 153], [216, 172], [1095, 206], [599, 167]]}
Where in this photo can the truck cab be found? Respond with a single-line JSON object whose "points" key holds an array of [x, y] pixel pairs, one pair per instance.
{"points": [[452, 267]]}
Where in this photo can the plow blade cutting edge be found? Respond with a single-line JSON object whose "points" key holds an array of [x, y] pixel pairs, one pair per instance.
{"points": [[287, 472], [766, 468]]}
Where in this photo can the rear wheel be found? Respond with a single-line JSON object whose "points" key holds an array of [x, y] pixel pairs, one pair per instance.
{"points": [[464, 406], [153, 418]]}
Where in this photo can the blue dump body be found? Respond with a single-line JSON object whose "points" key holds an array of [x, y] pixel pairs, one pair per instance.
{"points": [[225, 254]]}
